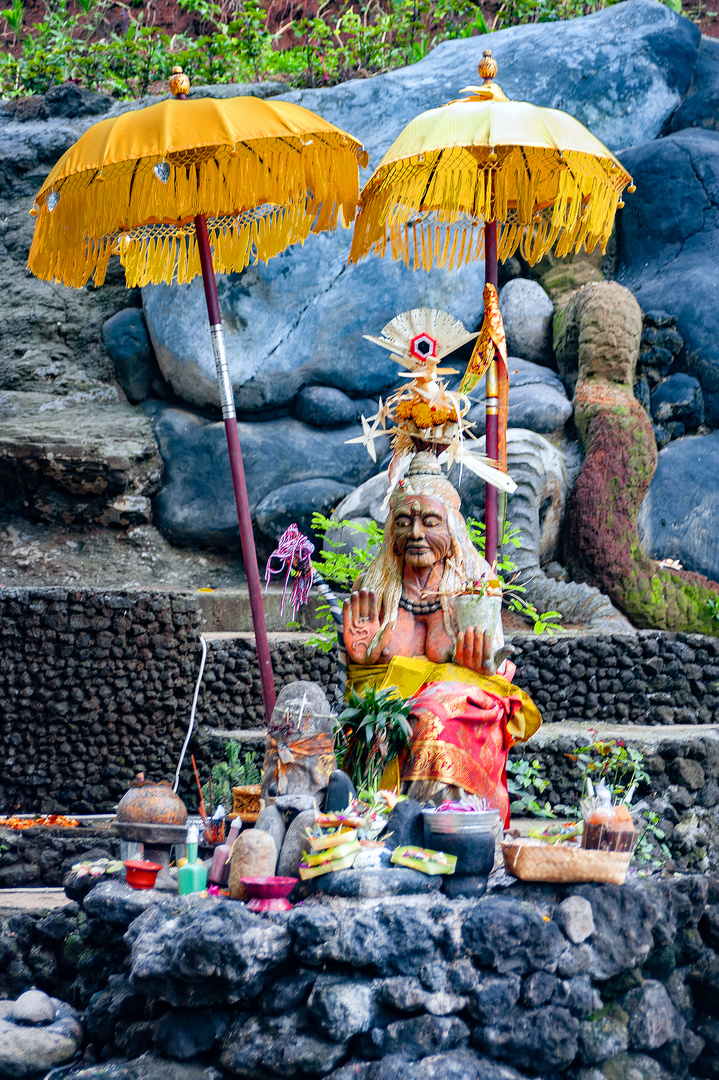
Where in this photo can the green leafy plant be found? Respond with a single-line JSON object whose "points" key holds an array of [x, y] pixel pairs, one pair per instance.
{"points": [[14, 17], [525, 782], [371, 731], [620, 766], [713, 606], [655, 854], [238, 770]]}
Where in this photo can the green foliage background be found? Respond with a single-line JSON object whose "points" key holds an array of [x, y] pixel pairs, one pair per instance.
{"points": [[356, 39]]}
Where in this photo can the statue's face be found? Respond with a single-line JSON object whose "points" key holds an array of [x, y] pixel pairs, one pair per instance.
{"points": [[421, 531]]}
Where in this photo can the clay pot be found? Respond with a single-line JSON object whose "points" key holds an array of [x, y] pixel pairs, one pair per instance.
{"points": [[153, 803]]}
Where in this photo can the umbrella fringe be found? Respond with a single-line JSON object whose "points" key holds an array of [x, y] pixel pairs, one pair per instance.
{"points": [[311, 185], [442, 201]]}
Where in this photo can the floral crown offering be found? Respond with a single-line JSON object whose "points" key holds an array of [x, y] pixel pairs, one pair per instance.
{"points": [[427, 414]]}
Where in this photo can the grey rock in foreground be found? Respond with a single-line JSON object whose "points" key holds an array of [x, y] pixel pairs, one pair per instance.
{"points": [[678, 517], [30, 1047]]}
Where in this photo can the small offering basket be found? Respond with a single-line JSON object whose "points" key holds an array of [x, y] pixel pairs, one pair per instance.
{"points": [[533, 860], [246, 803]]}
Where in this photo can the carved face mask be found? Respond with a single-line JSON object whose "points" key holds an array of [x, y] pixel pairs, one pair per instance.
{"points": [[421, 532]]}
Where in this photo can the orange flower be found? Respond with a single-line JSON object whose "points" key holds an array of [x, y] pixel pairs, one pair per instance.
{"points": [[404, 410]]}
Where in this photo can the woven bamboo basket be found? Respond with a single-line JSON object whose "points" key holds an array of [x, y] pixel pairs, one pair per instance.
{"points": [[557, 863], [246, 803]]}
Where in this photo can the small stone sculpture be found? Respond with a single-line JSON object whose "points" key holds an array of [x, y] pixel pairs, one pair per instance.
{"points": [[299, 757]]}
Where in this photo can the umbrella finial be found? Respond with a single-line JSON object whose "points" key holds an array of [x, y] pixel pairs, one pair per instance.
{"points": [[179, 83], [488, 66]]}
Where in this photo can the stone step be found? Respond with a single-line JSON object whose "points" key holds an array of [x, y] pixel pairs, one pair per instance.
{"points": [[640, 735], [228, 611]]}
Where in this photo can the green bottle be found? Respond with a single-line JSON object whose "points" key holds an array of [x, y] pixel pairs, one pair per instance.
{"points": [[192, 877]]}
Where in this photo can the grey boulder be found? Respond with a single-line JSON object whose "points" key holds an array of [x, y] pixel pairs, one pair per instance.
{"points": [[527, 314], [537, 398], [324, 407], [196, 504], [679, 398], [296, 503], [27, 1049], [677, 519]]}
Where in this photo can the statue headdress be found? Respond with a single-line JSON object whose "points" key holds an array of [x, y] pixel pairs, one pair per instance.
{"points": [[428, 416]]}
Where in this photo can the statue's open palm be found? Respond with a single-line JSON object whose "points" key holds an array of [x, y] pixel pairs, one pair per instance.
{"points": [[361, 626]]}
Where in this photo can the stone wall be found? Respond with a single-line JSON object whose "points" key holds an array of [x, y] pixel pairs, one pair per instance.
{"points": [[97, 686], [593, 982]]}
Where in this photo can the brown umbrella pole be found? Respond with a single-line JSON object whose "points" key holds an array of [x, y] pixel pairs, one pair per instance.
{"points": [[492, 403], [229, 415]]}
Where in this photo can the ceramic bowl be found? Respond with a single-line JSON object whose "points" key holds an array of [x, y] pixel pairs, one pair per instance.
{"points": [[268, 893], [141, 874]]}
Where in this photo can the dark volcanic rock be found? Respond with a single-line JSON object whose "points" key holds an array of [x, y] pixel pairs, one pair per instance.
{"points": [[263, 1047], [700, 107], [510, 935], [636, 913], [340, 792], [601, 1039], [679, 398], [653, 1018], [342, 1007], [183, 1034], [207, 953], [388, 937], [540, 1039], [677, 519], [118, 903], [417, 1038], [404, 825], [665, 245]]}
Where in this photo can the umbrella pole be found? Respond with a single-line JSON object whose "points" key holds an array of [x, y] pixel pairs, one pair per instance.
{"points": [[229, 415], [492, 404]]}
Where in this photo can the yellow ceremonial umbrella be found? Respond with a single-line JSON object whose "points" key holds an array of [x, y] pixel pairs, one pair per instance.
{"points": [[484, 176], [181, 185]]}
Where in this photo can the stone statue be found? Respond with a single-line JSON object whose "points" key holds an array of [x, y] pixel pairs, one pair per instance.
{"points": [[401, 629], [299, 754]]}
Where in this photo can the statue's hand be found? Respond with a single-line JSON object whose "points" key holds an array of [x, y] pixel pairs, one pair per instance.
{"points": [[474, 651], [361, 625]]}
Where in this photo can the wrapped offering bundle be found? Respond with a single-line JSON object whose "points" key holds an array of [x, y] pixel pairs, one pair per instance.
{"points": [[425, 860], [339, 857]]}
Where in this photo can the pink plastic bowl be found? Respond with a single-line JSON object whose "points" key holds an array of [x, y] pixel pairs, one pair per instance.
{"points": [[268, 893]]}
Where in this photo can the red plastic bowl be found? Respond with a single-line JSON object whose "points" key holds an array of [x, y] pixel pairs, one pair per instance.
{"points": [[141, 874], [268, 893]]}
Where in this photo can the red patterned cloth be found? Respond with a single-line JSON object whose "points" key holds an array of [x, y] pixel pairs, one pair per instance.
{"points": [[460, 738]]}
